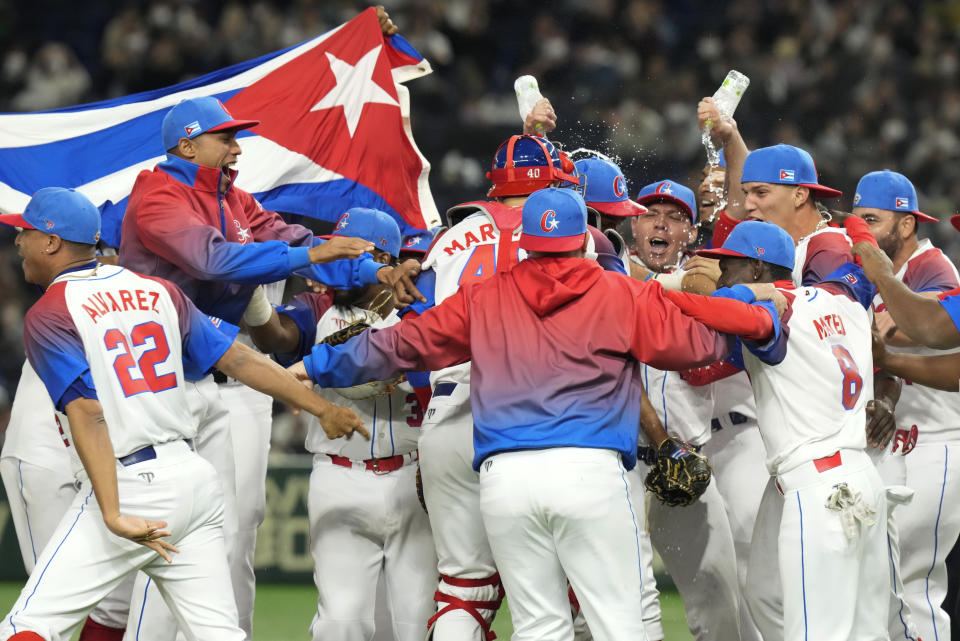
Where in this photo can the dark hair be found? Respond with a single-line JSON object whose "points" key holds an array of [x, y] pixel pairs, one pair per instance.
{"points": [[778, 272]]}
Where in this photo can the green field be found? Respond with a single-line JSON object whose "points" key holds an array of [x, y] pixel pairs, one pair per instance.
{"points": [[283, 612]]}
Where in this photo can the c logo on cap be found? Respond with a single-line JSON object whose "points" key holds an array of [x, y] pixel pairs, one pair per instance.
{"points": [[618, 187], [342, 222], [664, 188], [549, 222]]}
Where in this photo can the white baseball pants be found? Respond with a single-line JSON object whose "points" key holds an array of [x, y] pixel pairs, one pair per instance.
{"points": [[564, 513], [84, 561]]}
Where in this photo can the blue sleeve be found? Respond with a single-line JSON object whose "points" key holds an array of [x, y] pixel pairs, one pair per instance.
{"points": [[952, 305], [305, 318], [81, 388], [611, 263], [427, 284], [206, 341], [772, 351], [340, 274]]}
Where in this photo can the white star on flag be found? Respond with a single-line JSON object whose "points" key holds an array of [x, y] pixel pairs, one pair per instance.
{"points": [[355, 88]]}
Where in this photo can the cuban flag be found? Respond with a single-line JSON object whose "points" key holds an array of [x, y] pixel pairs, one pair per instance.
{"points": [[334, 133], [786, 174], [902, 203]]}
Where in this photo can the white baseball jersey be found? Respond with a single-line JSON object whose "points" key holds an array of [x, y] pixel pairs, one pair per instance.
{"points": [[819, 253], [105, 332], [469, 251], [812, 403], [37, 433], [394, 419], [935, 413]]}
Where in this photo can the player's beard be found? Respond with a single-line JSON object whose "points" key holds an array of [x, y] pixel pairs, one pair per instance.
{"points": [[890, 243]]}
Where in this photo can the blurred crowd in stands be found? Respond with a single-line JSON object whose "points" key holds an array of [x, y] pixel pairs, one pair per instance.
{"points": [[861, 84]]}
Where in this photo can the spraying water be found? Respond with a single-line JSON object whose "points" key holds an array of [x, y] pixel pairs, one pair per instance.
{"points": [[727, 97]]}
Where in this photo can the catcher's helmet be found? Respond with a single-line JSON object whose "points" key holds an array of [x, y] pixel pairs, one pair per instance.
{"points": [[524, 163]]}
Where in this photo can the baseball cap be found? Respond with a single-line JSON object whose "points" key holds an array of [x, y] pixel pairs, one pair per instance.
{"points": [[756, 239], [418, 242], [891, 191], [194, 116], [57, 210], [554, 220], [605, 188], [670, 191], [370, 224], [784, 165]]}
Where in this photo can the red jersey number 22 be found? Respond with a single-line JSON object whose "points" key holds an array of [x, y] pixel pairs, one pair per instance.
{"points": [[140, 376]]}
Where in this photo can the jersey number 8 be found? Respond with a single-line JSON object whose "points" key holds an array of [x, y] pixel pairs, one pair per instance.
{"points": [[146, 365], [852, 381]]}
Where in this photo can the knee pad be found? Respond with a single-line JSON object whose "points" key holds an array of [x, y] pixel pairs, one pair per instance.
{"points": [[478, 594]]}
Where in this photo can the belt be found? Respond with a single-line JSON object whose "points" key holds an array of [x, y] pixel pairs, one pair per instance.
{"points": [[444, 389], [147, 453], [377, 465], [649, 454]]}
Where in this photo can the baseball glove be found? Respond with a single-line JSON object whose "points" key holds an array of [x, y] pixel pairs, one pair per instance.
{"points": [[364, 390], [679, 475]]}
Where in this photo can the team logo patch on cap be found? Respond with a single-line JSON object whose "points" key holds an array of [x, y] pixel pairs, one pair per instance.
{"points": [[383, 242], [549, 222], [787, 174], [192, 128], [618, 187], [412, 240], [902, 203], [48, 224], [342, 222], [664, 188], [856, 199], [760, 251]]}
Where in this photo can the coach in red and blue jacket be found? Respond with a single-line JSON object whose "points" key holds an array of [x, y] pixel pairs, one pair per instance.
{"points": [[186, 222]]}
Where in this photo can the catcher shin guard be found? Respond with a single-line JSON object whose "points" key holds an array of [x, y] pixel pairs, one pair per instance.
{"points": [[679, 475], [471, 607]]}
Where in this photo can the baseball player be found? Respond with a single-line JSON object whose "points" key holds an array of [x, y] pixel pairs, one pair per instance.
{"points": [[701, 560], [483, 239], [929, 418], [534, 373], [187, 222], [365, 516], [605, 190], [829, 513], [113, 349]]}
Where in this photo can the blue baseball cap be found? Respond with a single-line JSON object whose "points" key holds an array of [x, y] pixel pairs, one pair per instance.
{"points": [[418, 242], [891, 191], [605, 188], [757, 239], [370, 224], [64, 212], [554, 220], [784, 165], [194, 116], [672, 192]]}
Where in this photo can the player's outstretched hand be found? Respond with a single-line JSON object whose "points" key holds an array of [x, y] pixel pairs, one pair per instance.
{"points": [[386, 24], [400, 278], [542, 120], [146, 533], [340, 247], [338, 421], [875, 263], [766, 291], [700, 275], [708, 117]]}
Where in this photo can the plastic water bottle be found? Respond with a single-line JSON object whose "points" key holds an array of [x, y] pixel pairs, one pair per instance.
{"points": [[728, 96], [528, 93]]}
